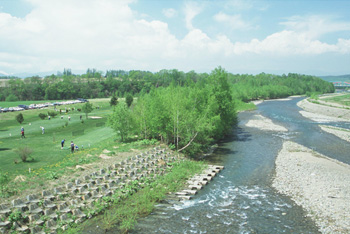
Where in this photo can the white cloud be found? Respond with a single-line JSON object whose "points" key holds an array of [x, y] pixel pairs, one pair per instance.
{"points": [[192, 9], [315, 26], [169, 13], [234, 21], [108, 34]]}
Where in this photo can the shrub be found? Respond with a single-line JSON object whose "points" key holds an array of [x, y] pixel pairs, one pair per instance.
{"points": [[52, 113], [19, 118], [24, 153], [42, 116]]}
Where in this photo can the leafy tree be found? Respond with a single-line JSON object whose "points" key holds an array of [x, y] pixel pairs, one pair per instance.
{"points": [[129, 99], [52, 113], [11, 98], [114, 100], [87, 108], [19, 118], [121, 121]]}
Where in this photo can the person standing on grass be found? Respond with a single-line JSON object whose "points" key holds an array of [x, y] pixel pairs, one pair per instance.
{"points": [[72, 146], [62, 143], [42, 130], [22, 133], [69, 118]]}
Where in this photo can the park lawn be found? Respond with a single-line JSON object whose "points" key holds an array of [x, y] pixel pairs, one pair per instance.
{"points": [[46, 147]]}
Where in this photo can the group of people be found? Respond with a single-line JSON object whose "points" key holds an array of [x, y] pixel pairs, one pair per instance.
{"points": [[73, 147]]}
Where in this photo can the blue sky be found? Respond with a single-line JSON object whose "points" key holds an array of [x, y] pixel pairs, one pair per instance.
{"points": [[242, 36]]}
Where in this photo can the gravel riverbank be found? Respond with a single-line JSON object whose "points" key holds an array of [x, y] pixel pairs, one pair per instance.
{"points": [[317, 183]]}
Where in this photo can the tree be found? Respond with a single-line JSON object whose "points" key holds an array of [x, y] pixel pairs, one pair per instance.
{"points": [[19, 118], [11, 98], [129, 99], [121, 121], [114, 100], [87, 108]]}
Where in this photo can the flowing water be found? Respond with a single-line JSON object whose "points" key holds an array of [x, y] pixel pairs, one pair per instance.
{"points": [[240, 198]]}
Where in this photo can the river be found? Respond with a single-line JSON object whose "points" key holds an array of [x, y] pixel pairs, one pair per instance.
{"points": [[240, 199]]}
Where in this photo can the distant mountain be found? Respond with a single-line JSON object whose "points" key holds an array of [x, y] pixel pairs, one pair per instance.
{"points": [[342, 78]]}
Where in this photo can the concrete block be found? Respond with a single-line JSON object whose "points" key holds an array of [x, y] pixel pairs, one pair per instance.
{"points": [[5, 209], [66, 218], [49, 204], [33, 198], [60, 191], [63, 208], [48, 194], [51, 213], [51, 224], [19, 204], [35, 209]]}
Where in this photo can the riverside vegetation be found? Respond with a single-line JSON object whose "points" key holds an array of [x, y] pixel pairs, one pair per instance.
{"points": [[186, 111]]}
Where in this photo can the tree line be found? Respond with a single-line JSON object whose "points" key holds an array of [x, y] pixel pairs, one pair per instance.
{"points": [[93, 84]]}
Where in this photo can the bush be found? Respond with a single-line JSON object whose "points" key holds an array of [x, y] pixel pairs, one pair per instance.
{"points": [[42, 116], [19, 118], [52, 113], [24, 153]]}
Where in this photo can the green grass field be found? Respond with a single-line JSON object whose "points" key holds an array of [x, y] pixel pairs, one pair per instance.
{"points": [[342, 99], [46, 147]]}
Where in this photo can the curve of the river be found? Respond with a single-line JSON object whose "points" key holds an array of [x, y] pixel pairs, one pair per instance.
{"points": [[240, 199]]}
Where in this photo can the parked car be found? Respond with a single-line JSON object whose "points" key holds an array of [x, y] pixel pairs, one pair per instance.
{"points": [[24, 107], [83, 100]]}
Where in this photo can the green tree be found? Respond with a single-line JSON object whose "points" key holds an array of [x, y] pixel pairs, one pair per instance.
{"points": [[87, 108], [11, 98], [129, 99], [19, 118], [114, 100], [120, 120]]}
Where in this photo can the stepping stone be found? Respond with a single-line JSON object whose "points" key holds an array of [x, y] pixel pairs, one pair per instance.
{"points": [[185, 197], [192, 192]]}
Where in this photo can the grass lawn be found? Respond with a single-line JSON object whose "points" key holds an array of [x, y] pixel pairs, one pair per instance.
{"points": [[47, 147], [342, 99]]}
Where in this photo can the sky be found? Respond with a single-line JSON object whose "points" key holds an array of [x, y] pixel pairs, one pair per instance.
{"points": [[242, 36]]}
